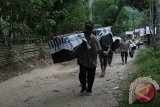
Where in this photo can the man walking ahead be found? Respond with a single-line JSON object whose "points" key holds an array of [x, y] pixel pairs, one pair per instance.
{"points": [[88, 60], [124, 48], [105, 56]]}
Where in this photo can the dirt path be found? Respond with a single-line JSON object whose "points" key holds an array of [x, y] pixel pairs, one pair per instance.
{"points": [[58, 86]]}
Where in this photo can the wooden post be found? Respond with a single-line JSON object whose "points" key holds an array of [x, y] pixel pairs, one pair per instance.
{"points": [[158, 17], [90, 9]]}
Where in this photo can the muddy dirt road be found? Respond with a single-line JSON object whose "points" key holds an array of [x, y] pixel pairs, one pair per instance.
{"points": [[58, 86]]}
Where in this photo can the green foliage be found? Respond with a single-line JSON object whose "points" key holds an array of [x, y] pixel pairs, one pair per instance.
{"points": [[118, 13], [100, 10], [4, 25], [24, 19], [76, 18], [20, 31], [142, 4], [109, 13], [123, 15], [147, 64]]}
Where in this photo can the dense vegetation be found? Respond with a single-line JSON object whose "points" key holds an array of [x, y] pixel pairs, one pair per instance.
{"points": [[146, 65], [123, 15], [38, 19], [24, 19]]}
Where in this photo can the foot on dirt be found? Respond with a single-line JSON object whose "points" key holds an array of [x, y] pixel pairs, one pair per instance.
{"points": [[82, 92], [88, 93], [102, 75]]}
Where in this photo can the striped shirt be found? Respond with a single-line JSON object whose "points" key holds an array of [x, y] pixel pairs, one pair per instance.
{"points": [[89, 57]]}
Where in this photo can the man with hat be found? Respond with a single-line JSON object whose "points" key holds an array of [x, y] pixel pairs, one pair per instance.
{"points": [[88, 60]]}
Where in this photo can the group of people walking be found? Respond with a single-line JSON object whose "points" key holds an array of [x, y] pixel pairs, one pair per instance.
{"points": [[88, 60]]}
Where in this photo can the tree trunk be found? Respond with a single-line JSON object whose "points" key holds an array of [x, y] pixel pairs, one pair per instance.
{"points": [[90, 9], [158, 17]]}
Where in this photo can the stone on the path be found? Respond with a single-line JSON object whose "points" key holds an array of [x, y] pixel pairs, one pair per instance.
{"points": [[73, 91], [121, 78], [115, 88], [98, 93], [28, 99], [73, 73], [27, 81], [31, 66], [118, 71], [108, 79], [27, 86], [120, 74]]}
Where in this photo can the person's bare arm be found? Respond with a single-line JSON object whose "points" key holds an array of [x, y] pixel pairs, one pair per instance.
{"points": [[120, 47], [111, 41], [109, 48], [98, 45]]}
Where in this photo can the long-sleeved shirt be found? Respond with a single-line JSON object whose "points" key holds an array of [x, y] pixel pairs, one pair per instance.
{"points": [[89, 56]]}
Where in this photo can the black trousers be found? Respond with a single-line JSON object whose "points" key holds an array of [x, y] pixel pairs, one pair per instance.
{"points": [[124, 55], [110, 57], [87, 75]]}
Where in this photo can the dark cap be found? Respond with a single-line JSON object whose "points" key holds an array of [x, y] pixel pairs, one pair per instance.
{"points": [[89, 23]]}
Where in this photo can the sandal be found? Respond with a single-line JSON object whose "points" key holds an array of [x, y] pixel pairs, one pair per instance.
{"points": [[102, 75]]}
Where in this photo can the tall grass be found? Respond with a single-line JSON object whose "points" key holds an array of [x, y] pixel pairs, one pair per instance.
{"points": [[147, 64]]}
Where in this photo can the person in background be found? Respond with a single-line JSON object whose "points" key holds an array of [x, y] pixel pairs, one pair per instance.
{"points": [[133, 47], [88, 60], [112, 49], [124, 48], [138, 43], [105, 42], [110, 56]]}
